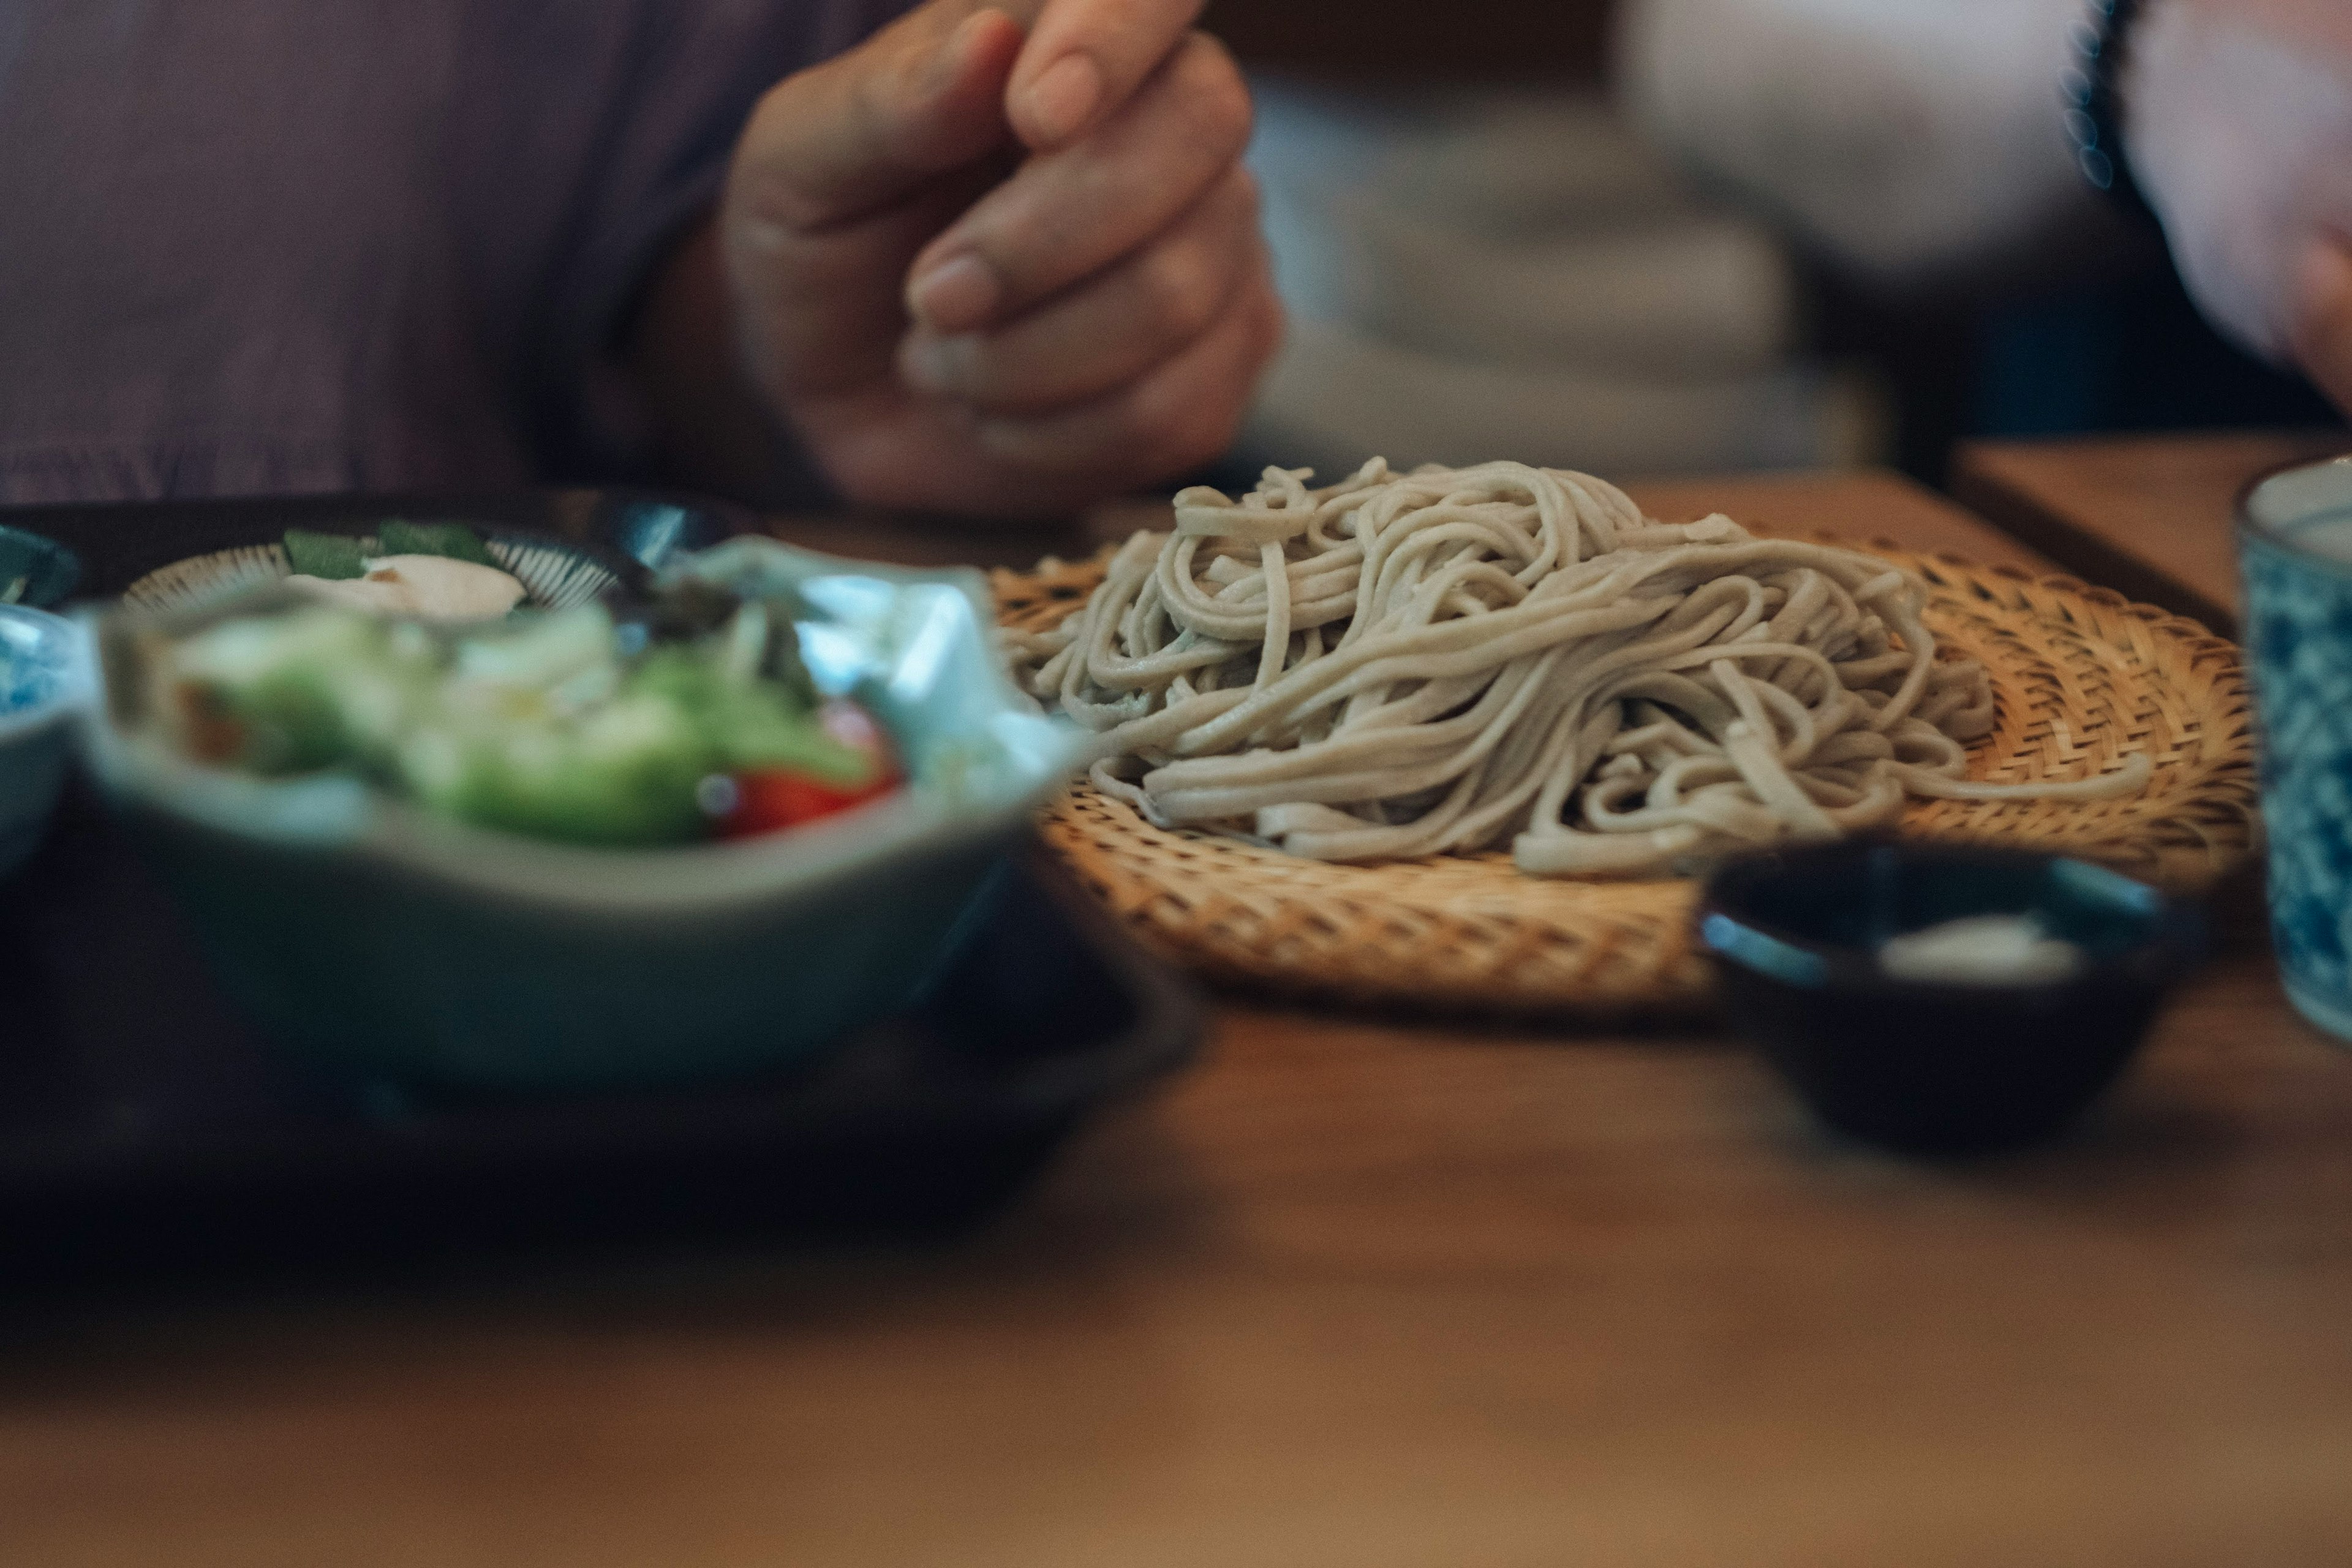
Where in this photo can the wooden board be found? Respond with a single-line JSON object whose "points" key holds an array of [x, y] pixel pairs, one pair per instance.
{"points": [[1358, 1294], [2149, 516]]}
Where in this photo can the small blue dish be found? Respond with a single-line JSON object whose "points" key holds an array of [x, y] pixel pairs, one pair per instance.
{"points": [[34, 570], [45, 680], [1939, 1067]]}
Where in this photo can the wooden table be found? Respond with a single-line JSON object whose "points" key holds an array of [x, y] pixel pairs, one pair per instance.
{"points": [[1356, 1294], [2149, 516]]}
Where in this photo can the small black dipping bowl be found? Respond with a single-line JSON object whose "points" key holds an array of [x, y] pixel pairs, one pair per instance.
{"points": [[1938, 1068]]}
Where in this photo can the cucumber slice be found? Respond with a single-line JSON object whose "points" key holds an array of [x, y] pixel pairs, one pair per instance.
{"points": [[454, 540], [329, 555]]}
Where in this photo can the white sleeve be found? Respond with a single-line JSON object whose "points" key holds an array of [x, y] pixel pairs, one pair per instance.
{"points": [[1910, 139], [2241, 141]]}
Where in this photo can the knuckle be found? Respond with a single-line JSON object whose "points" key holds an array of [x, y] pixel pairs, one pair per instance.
{"points": [[1216, 99], [879, 101], [761, 182], [781, 173], [1180, 292]]}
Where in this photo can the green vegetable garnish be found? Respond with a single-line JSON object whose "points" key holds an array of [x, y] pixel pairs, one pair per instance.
{"points": [[752, 723], [309, 689], [338, 557], [454, 540], [622, 772], [328, 555], [543, 725]]}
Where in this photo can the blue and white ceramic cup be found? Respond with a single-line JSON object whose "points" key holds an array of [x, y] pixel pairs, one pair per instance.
{"points": [[2295, 556]]}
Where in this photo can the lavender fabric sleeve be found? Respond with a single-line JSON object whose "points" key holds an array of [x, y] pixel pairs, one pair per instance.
{"points": [[692, 77], [252, 245]]}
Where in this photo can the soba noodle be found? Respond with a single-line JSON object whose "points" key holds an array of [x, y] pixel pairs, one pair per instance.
{"points": [[1440, 661]]}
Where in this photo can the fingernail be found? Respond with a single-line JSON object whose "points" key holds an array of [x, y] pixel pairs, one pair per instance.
{"points": [[955, 295], [928, 364], [1060, 103]]}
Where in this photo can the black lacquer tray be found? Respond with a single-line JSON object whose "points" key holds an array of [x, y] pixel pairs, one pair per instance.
{"points": [[143, 1127]]}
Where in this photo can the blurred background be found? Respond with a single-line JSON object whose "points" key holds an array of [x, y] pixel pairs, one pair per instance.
{"points": [[1493, 235]]}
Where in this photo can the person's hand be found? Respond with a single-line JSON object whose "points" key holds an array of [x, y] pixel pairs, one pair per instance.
{"points": [[2240, 132], [978, 269]]}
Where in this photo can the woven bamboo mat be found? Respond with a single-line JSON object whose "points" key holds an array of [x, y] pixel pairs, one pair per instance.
{"points": [[2082, 678]]}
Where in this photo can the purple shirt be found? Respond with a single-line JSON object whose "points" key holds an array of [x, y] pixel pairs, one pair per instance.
{"points": [[266, 246]]}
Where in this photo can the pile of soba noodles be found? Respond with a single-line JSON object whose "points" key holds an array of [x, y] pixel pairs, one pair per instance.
{"points": [[1403, 665]]}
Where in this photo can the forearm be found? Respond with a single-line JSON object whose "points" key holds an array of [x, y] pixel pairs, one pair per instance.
{"points": [[1912, 140]]}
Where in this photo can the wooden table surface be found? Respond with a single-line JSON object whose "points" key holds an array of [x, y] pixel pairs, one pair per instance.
{"points": [[2149, 516], [1355, 1293]]}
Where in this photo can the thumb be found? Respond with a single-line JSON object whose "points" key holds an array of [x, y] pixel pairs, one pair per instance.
{"points": [[861, 131]]}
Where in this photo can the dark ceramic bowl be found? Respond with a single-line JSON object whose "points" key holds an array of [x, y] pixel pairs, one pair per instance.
{"points": [[1941, 1068]]}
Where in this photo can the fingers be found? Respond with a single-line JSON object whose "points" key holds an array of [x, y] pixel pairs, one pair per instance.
{"points": [[838, 141], [2323, 331], [1111, 328], [1079, 252], [1086, 59], [818, 308], [1067, 215], [1182, 415]]}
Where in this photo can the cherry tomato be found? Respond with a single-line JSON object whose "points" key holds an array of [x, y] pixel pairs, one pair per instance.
{"points": [[777, 798], [767, 800]]}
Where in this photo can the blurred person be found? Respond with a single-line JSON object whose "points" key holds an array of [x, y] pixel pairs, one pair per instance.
{"points": [[2239, 128], [984, 259], [1920, 142], [1916, 140]]}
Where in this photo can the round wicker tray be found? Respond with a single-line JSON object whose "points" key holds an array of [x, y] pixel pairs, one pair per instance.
{"points": [[2082, 677]]}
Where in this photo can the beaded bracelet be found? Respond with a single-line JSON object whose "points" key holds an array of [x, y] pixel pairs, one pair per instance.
{"points": [[2091, 84]]}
